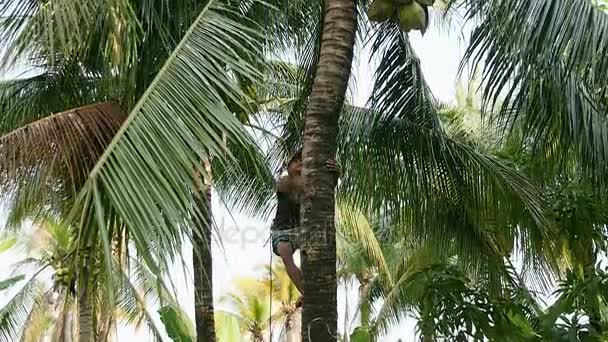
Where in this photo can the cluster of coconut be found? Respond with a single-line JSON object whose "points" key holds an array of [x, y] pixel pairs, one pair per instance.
{"points": [[62, 276], [408, 14]]}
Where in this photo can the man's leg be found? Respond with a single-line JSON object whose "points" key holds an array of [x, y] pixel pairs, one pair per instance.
{"points": [[286, 253]]}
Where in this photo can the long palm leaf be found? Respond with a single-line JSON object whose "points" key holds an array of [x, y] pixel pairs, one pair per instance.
{"points": [[17, 310], [548, 59], [145, 177], [400, 163]]}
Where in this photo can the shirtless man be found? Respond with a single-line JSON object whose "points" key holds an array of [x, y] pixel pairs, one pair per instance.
{"points": [[285, 227]]}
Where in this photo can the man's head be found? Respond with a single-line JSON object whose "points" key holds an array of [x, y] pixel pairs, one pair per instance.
{"points": [[294, 165]]}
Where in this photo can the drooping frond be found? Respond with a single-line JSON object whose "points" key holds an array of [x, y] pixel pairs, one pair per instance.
{"points": [[134, 305], [356, 229], [400, 164], [15, 313], [30, 26], [145, 179], [53, 89], [39, 321], [46, 162], [307, 55], [547, 62]]}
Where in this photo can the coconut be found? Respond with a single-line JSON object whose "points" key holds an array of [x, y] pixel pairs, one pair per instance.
{"points": [[412, 17], [426, 2], [380, 10], [404, 2]]}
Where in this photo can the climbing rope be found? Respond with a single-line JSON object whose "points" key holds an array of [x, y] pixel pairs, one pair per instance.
{"points": [[270, 294]]}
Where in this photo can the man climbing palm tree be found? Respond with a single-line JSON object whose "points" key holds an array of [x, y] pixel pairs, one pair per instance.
{"points": [[284, 229]]}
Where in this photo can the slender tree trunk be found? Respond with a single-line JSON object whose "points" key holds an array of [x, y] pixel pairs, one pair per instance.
{"points": [[346, 337], [427, 328], [86, 331], [203, 268], [319, 314], [365, 308]]}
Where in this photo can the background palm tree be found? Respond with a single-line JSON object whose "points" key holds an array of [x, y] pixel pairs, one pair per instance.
{"points": [[40, 309], [284, 296], [104, 69], [249, 305]]}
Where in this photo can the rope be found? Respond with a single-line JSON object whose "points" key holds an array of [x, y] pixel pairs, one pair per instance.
{"points": [[271, 290]]}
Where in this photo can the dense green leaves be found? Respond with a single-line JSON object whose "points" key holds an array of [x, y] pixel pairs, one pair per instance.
{"points": [[548, 60], [178, 123]]}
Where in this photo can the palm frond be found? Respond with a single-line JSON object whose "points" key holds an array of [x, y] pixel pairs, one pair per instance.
{"points": [[39, 320], [401, 165], [548, 59], [357, 229], [440, 190], [45, 163], [133, 302], [29, 26], [145, 178], [10, 282], [15, 313], [308, 55], [7, 241], [53, 89]]}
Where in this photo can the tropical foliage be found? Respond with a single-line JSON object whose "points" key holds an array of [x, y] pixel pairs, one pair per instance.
{"points": [[459, 216]]}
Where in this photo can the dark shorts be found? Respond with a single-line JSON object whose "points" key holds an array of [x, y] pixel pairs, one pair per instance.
{"points": [[286, 235]]}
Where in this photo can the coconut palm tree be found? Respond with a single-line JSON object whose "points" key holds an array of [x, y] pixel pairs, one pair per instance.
{"points": [[332, 73], [407, 125], [250, 307], [498, 33], [107, 71], [284, 296], [40, 309]]}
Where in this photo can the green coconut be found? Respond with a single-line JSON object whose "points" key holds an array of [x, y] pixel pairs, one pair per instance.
{"points": [[380, 10], [426, 2], [404, 2], [412, 17]]}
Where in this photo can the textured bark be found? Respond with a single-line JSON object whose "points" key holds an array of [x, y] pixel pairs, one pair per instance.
{"points": [[319, 314], [86, 331], [203, 271]]}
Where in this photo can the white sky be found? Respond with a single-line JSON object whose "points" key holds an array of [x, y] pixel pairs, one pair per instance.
{"points": [[244, 237]]}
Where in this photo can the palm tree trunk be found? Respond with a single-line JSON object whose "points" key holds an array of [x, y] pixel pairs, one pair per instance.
{"points": [[319, 315], [346, 337], [203, 270], [86, 330], [427, 329], [365, 304]]}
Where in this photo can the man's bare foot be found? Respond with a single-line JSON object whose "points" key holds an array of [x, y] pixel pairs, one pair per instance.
{"points": [[300, 302]]}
